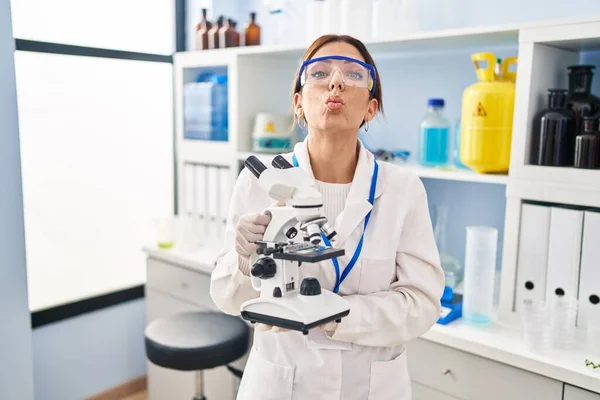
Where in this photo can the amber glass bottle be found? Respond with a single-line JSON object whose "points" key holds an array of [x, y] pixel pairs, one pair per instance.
{"points": [[202, 30], [236, 34], [228, 35], [213, 34], [252, 32]]}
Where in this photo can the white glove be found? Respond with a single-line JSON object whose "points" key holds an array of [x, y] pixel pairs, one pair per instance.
{"points": [[250, 228]]}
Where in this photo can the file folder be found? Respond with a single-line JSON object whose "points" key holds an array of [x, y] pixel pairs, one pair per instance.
{"points": [[564, 250], [532, 254], [589, 277]]}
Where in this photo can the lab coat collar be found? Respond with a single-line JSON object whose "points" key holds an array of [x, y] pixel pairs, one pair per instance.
{"points": [[357, 204]]}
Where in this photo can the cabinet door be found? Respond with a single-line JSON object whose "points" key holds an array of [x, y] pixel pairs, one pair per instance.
{"points": [[471, 377], [422, 392], [164, 383], [575, 393]]}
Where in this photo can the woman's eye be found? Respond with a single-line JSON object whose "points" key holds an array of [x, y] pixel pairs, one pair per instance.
{"points": [[318, 75], [357, 76]]}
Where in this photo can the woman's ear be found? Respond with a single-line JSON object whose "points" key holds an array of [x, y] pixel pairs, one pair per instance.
{"points": [[371, 109], [297, 100]]}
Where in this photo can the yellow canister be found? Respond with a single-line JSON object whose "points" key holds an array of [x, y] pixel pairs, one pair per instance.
{"points": [[487, 116]]}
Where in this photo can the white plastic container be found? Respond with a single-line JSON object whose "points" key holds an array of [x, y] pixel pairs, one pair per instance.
{"points": [[480, 268], [314, 20], [356, 18], [383, 19], [407, 18], [332, 17]]}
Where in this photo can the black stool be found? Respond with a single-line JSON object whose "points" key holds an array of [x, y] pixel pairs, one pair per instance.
{"points": [[195, 341]]}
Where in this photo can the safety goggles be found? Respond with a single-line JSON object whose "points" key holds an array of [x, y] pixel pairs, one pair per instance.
{"points": [[319, 72]]}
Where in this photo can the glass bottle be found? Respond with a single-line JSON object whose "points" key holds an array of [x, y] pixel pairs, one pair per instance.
{"points": [[581, 101], [434, 135], [236, 35], [553, 133], [587, 145], [202, 30], [213, 34], [227, 34], [450, 264], [252, 32]]}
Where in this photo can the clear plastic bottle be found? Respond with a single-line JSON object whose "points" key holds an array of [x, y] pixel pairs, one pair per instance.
{"points": [[434, 140]]}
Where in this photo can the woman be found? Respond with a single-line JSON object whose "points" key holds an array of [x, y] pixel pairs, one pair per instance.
{"points": [[395, 286]]}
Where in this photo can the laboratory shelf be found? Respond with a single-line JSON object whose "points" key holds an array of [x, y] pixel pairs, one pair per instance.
{"points": [[450, 174]]}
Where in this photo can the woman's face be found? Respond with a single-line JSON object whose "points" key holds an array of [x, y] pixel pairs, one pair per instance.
{"points": [[335, 106]]}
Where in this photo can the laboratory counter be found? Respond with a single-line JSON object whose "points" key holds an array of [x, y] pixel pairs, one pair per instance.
{"points": [[454, 361]]}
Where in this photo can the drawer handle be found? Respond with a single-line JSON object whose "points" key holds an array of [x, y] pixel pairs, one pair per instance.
{"points": [[446, 372]]}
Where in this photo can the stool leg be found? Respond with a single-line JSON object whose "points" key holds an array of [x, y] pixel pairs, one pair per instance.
{"points": [[199, 386]]}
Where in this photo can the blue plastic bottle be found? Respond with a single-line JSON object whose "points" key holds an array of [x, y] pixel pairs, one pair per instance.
{"points": [[434, 141], [206, 108]]}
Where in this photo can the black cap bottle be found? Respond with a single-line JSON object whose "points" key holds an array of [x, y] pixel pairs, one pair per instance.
{"points": [[587, 145], [553, 134], [581, 101]]}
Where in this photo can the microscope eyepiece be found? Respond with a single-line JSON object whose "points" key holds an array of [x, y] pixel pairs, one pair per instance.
{"points": [[255, 165], [281, 163]]}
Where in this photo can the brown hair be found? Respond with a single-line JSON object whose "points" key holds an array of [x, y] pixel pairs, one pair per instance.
{"points": [[362, 49]]}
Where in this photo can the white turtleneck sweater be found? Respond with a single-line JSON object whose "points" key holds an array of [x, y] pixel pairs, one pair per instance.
{"points": [[334, 200]]}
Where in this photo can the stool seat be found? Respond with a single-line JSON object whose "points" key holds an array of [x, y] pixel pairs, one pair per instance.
{"points": [[196, 340]]}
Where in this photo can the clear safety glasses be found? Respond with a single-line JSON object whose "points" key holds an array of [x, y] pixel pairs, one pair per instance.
{"points": [[320, 71]]}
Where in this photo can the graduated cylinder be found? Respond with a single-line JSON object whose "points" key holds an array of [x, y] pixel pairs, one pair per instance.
{"points": [[487, 115]]}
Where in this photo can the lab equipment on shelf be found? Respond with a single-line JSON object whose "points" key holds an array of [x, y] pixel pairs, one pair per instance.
{"points": [[553, 136], [213, 33], [456, 147], [229, 35], [356, 18], [202, 30], [587, 145], [252, 32], [580, 100], [453, 270], [479, 274], [206, 109], [434, 135], [273, 133], [487, 116], [314, 20]]}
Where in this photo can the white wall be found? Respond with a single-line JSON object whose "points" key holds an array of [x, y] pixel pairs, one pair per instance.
{"points": [[16, 375]]}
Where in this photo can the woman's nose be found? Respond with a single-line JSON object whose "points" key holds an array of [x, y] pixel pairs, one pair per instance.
{"points": [[337, 81]]}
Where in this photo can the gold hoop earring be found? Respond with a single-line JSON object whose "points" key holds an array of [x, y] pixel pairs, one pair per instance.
{"points": [[366, 126]]}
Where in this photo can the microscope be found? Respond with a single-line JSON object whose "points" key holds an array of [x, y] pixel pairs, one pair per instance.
{"points": [[292, 237]]}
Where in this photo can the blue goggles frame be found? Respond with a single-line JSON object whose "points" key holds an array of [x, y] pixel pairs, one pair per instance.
{"points": [[364, 64]]}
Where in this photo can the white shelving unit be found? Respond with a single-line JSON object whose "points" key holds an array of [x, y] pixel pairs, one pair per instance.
{"points": [[260, 78]]}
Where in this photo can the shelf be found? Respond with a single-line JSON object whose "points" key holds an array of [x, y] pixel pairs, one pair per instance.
{"points": [[423, 172], [451, 174]]}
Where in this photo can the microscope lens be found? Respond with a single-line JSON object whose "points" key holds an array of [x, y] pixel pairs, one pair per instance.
{"points": [[314, 233], [328, 230]]}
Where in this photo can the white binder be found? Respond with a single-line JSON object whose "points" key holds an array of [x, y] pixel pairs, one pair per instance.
{"points": [[564, 250], [533, 253], [589, 281]]}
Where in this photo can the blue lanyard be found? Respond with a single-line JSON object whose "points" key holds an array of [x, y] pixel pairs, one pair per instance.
{"points": [[338, 279]]}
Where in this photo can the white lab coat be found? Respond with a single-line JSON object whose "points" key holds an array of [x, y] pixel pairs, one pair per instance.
{"points": [[394, 292]]}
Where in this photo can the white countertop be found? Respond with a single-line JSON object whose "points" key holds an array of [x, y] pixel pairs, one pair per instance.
{"points": [[495, 342]]}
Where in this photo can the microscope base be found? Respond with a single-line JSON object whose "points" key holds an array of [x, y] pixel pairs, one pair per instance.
{"points": [[289, 324], [298, 312]]}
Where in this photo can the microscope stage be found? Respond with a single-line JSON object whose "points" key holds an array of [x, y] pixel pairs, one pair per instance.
{"points": [[310, 255]]}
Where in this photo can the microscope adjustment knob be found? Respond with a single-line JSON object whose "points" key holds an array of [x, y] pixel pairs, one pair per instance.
{"points": [[277, 291], [310, 287], [264, 268]]}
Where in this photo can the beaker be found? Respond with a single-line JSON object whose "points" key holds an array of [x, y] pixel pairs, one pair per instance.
{"points": [[479, 271]]}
